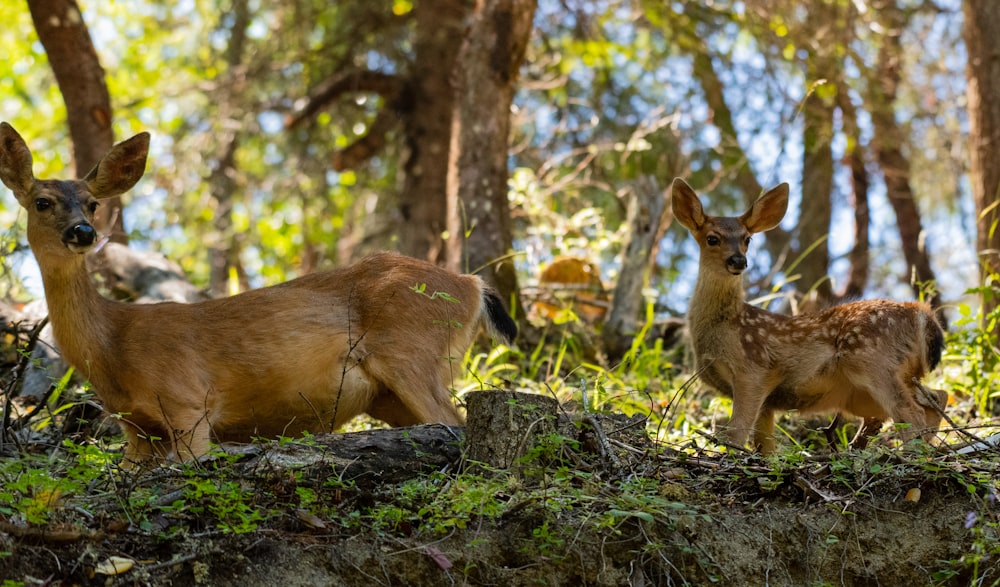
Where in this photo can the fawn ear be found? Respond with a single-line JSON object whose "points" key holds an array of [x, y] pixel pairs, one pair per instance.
{"points": [[15, 162], [120, 169], [686, 205], [767, 211]]}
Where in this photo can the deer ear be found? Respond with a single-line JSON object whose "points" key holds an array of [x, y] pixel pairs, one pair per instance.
{"points": [[686, 205], [767, 211], [15, 162], [120, 169]]}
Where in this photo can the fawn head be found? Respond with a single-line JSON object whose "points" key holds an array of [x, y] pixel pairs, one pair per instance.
{"points": [[61, 212], [724, 240]]}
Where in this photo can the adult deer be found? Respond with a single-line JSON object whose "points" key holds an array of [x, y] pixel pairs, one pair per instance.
{"points": [[862, 358], [380, 337]]}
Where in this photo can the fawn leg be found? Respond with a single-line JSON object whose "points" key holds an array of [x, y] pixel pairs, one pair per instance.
{"points": [[869, 428], [763, 432], [746, 413]]}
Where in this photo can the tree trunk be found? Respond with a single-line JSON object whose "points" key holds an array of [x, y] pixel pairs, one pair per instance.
{"points": [[859, 257], [982, 29], [504, 426], [427, 106], [734, 159], [816, 211], [479, 222], [648, 216], [364, 459], [889, 139], [224, 251], [78, 72]]}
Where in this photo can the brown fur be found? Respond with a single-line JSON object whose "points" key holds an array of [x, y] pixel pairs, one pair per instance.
{"points": [[306, 355], [859, 358]]}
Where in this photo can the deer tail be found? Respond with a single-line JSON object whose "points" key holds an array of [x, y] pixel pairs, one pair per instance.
{"points": [[933, 340], [498, 322]]}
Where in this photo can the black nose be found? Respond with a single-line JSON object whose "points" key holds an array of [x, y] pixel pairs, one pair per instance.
{"points": [[736, 263], [81, 234]]}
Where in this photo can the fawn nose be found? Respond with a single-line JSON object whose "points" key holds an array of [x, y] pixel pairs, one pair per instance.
{"points": [[81, 235], [736, 264]]}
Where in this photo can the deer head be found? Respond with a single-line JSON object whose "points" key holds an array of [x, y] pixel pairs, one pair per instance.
{"points": [[61, 212]]}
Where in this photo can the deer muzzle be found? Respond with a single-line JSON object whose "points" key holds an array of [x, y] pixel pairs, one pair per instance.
{"points": [[80, 237], [736, 264]]}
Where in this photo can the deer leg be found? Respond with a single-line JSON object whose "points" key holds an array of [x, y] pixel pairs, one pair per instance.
{"points": [[746, 413], [828, 431], [869, 428], [420, 390], [388, 408], [191, 439], [141, 448], [763, 432]]}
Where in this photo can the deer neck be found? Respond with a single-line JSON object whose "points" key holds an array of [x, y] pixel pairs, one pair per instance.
{"points": [[77, 312], [716, 300]]}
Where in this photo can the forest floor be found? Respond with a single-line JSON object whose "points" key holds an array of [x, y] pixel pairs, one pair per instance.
{"points": [[403, 507]]}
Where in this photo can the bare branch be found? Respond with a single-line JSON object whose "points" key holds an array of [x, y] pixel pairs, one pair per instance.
{"points": [[388, 86]]}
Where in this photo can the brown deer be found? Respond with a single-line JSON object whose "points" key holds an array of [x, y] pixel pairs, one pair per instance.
{"points": [[862, 358], [382, 337]]}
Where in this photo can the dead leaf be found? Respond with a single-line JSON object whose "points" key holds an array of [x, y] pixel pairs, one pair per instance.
{"points": [[310, 519], [439, 557], [114, 565]]}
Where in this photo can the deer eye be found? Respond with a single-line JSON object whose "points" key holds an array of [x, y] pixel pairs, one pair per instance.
{"points": [[93, 206], [713, 241], [43, 204], [746, 241]]}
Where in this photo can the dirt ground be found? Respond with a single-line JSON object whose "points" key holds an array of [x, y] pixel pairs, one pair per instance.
{"points": [[874, 518]]}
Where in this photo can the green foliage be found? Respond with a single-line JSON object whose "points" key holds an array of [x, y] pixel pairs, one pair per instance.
{"points": [[973, 351], [37, 488], [227, 501]]}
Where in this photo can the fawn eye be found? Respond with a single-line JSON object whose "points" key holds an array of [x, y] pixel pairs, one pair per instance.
{"points": [[93, 206], [43, 204], [746, 241], [713, 241]]}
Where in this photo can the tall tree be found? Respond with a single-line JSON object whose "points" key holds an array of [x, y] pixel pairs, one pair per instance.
{"points": [[78, 72], [428, 126], [889, 141], [816, 210], [733, 157], [224, 250], [479, 221], [859, 257], [826, 31], [420, 99], [982, 29]]}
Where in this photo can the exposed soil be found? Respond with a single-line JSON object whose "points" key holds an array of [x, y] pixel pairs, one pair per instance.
{"points": [[575, 519]]}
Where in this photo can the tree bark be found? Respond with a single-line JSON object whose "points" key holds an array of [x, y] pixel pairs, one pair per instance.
{"points": [[859, 257], [505, 425], [368, 458], [427, 106], [817, 185], [647, 218], [479, 221], [982, 29], [734, 158], [224, 251], [889, 139], [78, 72]]}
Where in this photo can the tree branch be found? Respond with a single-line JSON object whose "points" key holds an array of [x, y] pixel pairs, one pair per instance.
{"points": [[390, 87]]}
